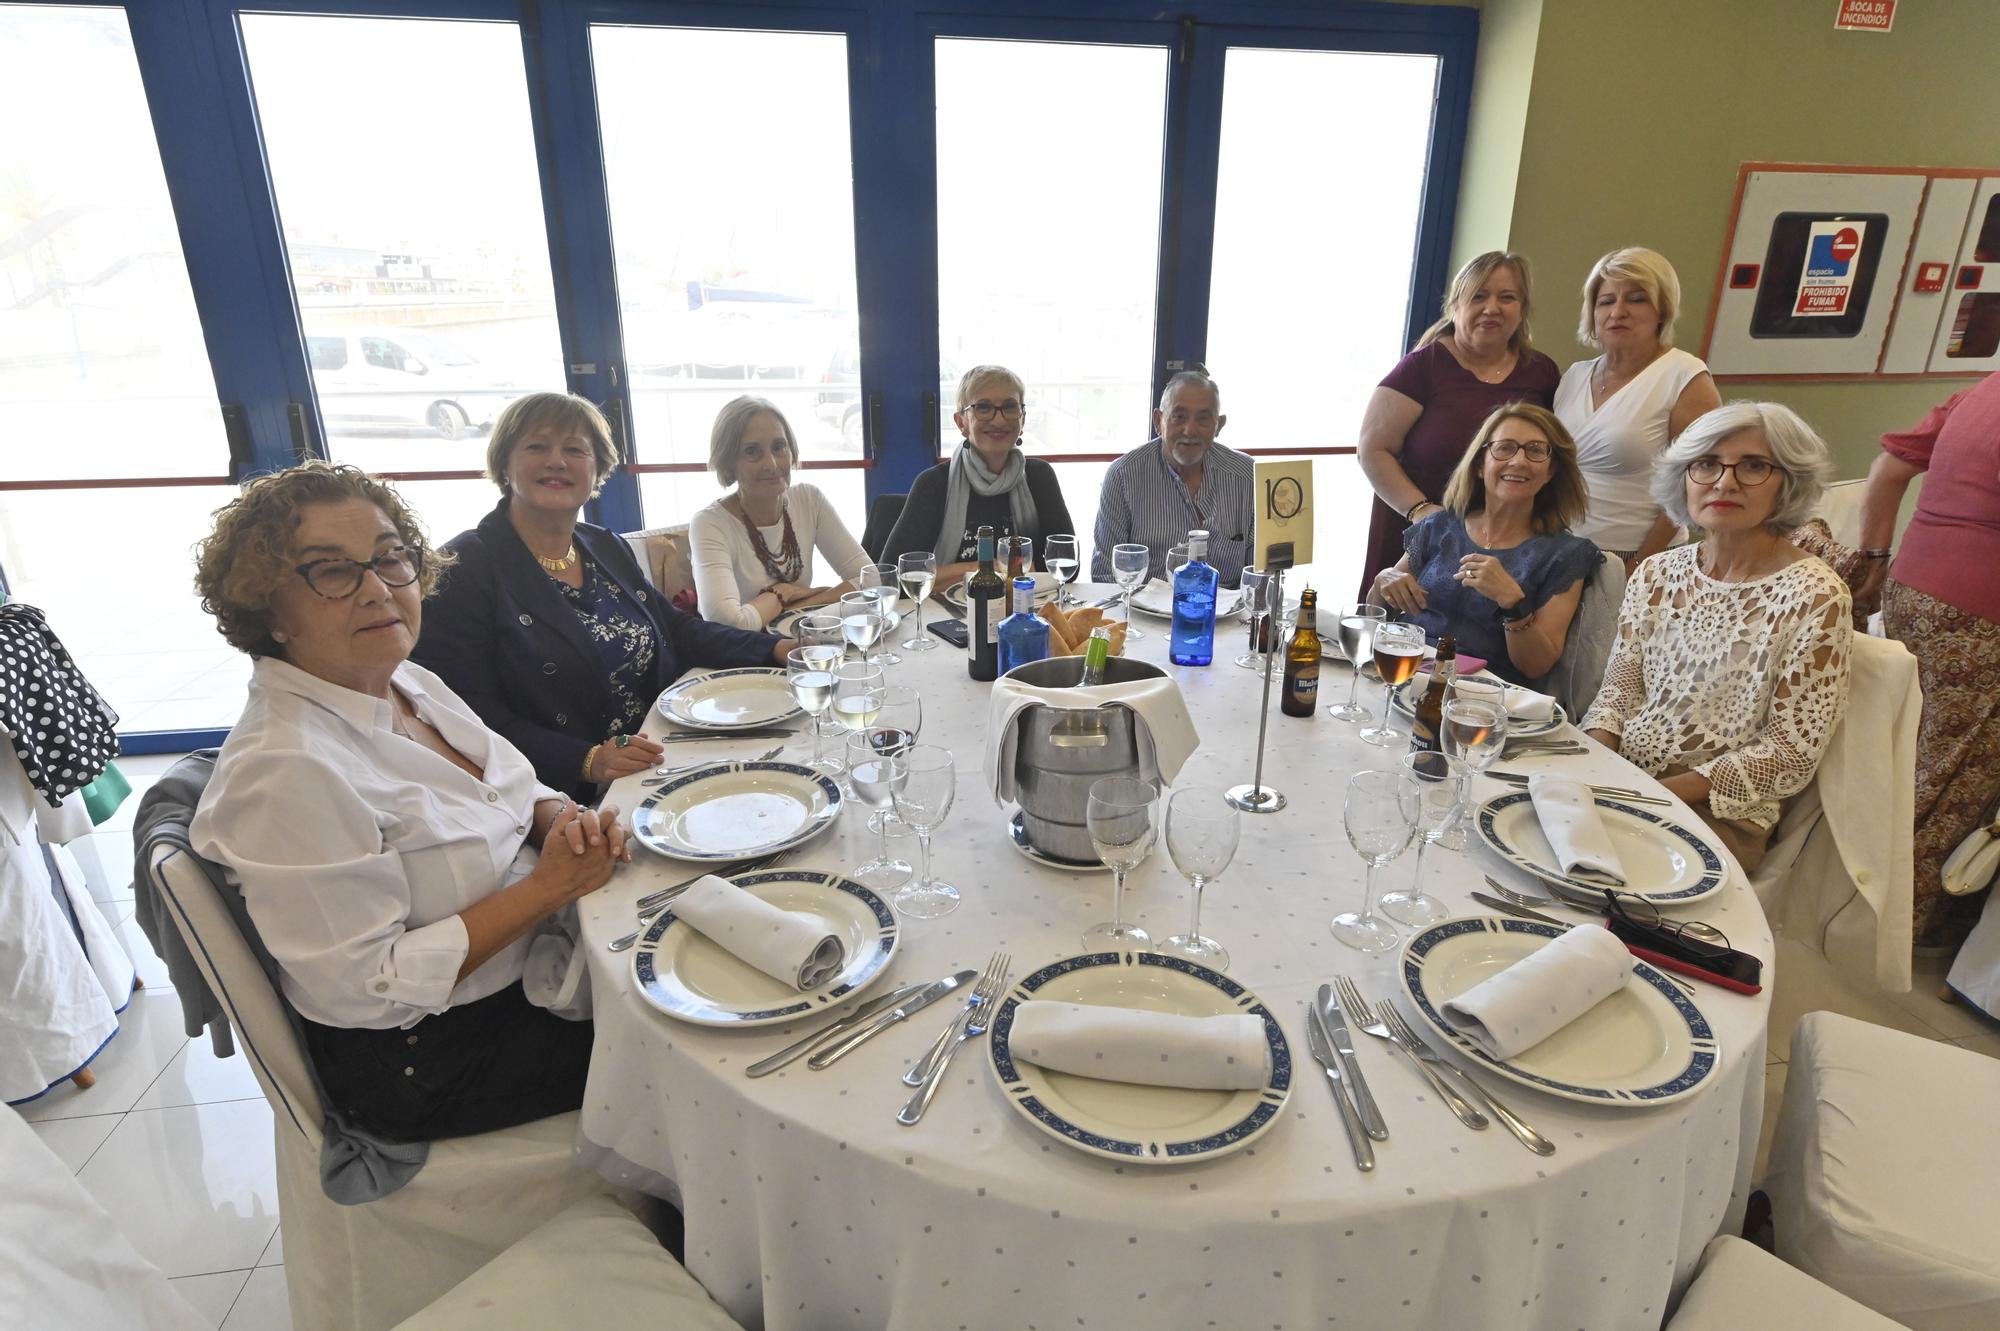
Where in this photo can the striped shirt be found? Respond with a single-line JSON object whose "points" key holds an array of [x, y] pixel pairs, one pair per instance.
{"points": [[1145, 501]]}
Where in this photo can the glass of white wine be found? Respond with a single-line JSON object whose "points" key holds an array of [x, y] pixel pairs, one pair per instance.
{"points": [[883, 580], [1357, 640], [1060, 558], [917, 574], [861, 622], [809, 670], [857, 694]]}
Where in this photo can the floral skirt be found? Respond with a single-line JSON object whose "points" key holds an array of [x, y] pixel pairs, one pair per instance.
{"points": [[1958, 746]]}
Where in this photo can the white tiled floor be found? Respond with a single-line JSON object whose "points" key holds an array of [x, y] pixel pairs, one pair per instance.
{"points": [[177, 1143]]}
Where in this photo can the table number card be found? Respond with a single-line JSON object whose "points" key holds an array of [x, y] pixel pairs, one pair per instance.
{"points": [[1284, 504]]}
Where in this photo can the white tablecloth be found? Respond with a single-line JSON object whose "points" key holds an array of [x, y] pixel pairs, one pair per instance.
{"points": [[808, 1207]]}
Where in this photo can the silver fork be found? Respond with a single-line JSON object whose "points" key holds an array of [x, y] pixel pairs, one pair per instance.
{"points": [[651, 905], [662, 775], [1513, 1122], [1364, 1017], [971, 1022], [921, 1069]]}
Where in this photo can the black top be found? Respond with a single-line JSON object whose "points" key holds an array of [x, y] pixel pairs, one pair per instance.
{"points": [[916, 532], [501, 634]]}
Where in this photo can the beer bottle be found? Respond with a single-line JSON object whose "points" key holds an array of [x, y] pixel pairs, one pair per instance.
{"points": [[1427, 728], [983, 597], [1302, 662]]}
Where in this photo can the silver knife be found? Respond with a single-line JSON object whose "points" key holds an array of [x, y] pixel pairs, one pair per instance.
{"points": [[902, 1011], [847, 1022], [1322, 1050], [1343, 1044]]}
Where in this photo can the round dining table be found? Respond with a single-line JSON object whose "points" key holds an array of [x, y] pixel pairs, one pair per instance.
{"points": [[809, 1207]]}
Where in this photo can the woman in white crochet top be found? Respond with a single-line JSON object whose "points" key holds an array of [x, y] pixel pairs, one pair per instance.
{"points": [[1730, 669]]}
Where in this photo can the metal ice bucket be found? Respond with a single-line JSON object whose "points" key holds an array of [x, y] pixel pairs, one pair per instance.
{"points": [[1062, 751]]}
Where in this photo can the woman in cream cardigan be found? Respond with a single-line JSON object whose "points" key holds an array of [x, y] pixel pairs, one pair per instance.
{"points": [[753, 548]]}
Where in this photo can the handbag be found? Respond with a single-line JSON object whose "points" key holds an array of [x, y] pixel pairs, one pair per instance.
{"points": [[1971, 867]]}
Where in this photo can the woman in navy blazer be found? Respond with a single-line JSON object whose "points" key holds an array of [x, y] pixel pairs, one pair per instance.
{"points": [[547, 627]]}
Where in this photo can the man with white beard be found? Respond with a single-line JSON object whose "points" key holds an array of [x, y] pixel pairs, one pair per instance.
{"points": [[1179, 481]]}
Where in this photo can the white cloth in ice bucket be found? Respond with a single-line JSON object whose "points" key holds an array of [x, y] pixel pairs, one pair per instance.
{"points": [[1166, 734]]}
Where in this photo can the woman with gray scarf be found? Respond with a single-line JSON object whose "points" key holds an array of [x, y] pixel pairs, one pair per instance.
{"points": [[989, 481]]}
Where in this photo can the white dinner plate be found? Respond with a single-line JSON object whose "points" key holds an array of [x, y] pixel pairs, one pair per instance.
{"points": [[1667, 862], [1156, 598], [736, 811], [731, 699], [683, 974], [1147, 1125], [1046, 587], [1401, 699], [1647, 1044]]}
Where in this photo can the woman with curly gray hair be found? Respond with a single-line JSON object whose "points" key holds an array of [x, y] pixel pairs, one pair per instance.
{"points": [[1730, 669], [395, 854]]}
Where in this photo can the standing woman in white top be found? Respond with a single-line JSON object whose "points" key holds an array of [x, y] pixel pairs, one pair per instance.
{"points": [[1624, 407], [753, 548]]}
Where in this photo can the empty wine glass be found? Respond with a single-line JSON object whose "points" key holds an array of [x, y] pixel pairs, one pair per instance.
{"points": [[872, 771], [1128, 569], [1263, 628], [917, 574], [1120, 817], [857, 694], [1380, 814], [1017, 558], [1438, 782], [1177, 559], [883, 580], [809, 670], [1059, 557], [897, 723], [1475, 730], [922, 784], [861, 621], [1202, 830], [1357, 625], [1397, 650]]}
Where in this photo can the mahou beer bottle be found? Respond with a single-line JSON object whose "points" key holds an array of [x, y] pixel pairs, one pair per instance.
{"points": [[1302, 662]]}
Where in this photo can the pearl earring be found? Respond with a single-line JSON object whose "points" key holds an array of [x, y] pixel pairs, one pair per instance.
{"points": [[276, 636]]}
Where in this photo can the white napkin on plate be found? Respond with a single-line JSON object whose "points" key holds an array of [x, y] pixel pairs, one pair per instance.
{"points": [[1542, 993], [1528, 705], [1157, 598], [1166, 739], [1568, 814], [796, 949], [1227, 1053]]}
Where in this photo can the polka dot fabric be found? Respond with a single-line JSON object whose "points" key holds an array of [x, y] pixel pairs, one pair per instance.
{"points": [[64, 733]]}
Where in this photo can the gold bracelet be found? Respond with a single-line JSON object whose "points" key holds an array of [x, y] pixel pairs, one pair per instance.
{"points": [[588, 759], [1516, 625]]}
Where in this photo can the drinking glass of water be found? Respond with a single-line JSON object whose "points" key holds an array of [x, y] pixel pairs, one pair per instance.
{"points": [[1059, 557], [916, 574], [861, 621], [884, 580], [809, 670], [1357, 642]]}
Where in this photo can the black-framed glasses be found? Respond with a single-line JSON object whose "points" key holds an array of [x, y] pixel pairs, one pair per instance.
{"points": [[1504, 449], [983, 411], [1749, 472], [1701, 940], [338, 579]]}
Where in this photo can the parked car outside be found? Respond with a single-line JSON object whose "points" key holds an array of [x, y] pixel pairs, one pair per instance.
{"points": [[405, 378]]}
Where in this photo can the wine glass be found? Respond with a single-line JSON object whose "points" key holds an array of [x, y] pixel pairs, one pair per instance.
{"points": [[821, 628], [1060, 557], [1177, 559], [1202, 830], [872, 771], [1017, 559], [917, 573], [861, 621], [1128, 569], [882, 579], [1475, 731], [1397, 650], [809, 670], [921, 785], [857, 694], [1380, 814], [1120, 816], [1357, 639], [1438, 781], [897, 723], [1262, 626]]}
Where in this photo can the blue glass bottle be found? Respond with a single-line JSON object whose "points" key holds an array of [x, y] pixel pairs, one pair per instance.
{"points": [[1193, 640], [1024, 635]]}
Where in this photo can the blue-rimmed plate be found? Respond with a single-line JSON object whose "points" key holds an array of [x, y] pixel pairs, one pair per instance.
{"points": [[736, 811], [683, 974], [1146, 1125], [1666, 862], [731, 699], [1647, 1044]]}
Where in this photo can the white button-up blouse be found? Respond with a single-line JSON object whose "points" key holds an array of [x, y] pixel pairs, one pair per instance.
{"points": [[355, 848]]}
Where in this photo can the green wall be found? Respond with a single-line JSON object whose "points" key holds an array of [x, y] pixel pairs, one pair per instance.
{"points": [[1639, 112]]}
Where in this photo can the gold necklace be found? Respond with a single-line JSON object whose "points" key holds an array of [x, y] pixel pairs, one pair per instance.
{"points": [[558, 565]]}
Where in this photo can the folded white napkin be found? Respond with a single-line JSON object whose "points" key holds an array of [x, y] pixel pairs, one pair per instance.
{"points": [[1166, 738], [1150, 1048], [796, 949], [1568, 815], [1528, 705], [1540, 994]]}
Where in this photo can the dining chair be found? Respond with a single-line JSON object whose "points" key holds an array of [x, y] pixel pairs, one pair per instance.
{"points": [[1739, 1285], [1576, 677], [363, 1267], [664, 556], [883, 512]]}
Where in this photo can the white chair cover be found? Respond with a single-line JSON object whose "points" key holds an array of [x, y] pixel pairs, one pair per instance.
{"points": [[1740, 1286], [1838, 873], [358, 1268], [1882, 1170], [1840, 506], [594, 1265], [664, 557], [1975, 971], [1592, 633]]}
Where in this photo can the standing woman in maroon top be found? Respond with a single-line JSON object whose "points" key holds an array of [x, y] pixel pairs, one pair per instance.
{"points": [[1424, 413]]}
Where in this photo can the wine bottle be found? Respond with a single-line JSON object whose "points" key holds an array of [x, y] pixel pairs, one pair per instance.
{"points": [[1192, 638], [1301, 689], [1024, 635], [1427, 725], [1096, 657], [983, 593]]}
